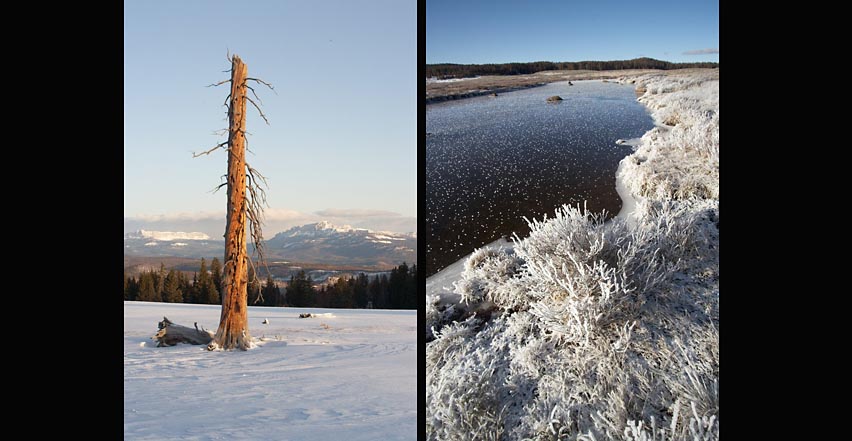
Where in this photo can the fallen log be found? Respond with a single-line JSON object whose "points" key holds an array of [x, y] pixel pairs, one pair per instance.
{"points": [[171, 334]]}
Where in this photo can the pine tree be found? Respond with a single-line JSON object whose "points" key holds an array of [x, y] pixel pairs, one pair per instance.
{"points": [[323, 297], [216, 273], [399, 280], [191, 295], [342, 294], [290, 293], [379, 292], [411, 296], [372, 292], [208, 293], [185, 287], [203, 275], [300, 291], [359, 291], [147, 291], [171, 288], [160, 281], [310, 291], [132, 289], [253, 288], [271, 293]]}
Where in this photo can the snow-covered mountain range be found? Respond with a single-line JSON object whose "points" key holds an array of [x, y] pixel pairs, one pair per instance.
{"points": [[321, 242], [324, 242]]}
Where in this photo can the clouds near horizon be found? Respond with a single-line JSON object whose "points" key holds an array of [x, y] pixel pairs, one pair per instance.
{"points": [[355, 212], [276, 220], [702, 51]]}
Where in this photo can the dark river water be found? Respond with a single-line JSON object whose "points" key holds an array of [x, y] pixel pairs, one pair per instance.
{"points": [[490, 161]]}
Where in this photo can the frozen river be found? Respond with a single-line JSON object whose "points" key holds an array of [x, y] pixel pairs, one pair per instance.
{"points": [[490, 161]]}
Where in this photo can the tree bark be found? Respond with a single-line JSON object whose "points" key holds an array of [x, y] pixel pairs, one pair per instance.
{"points": [[233, 330]]}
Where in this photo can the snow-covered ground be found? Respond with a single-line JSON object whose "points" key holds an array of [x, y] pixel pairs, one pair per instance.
{"points": [[442, 282], [431, 80], [593, 330], [348, 375]]}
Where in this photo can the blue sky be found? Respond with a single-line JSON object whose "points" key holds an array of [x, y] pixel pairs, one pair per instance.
{"points": [[342, 144], [500, 31]]}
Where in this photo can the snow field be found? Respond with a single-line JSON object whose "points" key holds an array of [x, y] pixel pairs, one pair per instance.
{"points": [[347, 374]]}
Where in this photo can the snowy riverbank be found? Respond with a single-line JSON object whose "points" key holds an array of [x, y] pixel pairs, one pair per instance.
{"points": [[589, 329]]}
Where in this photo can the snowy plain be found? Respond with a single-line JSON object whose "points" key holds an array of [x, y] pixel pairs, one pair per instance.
{"points": [[347, 374]]}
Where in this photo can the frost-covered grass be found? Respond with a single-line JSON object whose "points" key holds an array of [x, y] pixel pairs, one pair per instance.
{"points": [[347, 374], [593, 330], [680, 158]]}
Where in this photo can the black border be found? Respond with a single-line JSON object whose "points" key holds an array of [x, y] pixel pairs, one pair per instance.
{"points": [[66, 153]]}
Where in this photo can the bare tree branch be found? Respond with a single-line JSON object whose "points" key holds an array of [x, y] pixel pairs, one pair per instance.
{"points": [[219, 83], [218, 146], [254, 93], [216, 189], [254, 210], [245, 138], [245, 141], [260, 290], [254, 173], [263, 82], [258, 109]]}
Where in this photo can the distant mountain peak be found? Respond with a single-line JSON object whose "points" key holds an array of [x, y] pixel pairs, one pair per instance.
{"points": [[328, 243], [326, 225], [326, 228]]}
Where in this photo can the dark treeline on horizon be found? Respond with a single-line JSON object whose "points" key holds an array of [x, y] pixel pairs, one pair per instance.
{"points": [[397, 290], [450, 70]]}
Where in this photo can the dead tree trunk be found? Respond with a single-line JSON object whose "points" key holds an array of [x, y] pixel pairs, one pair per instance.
{"points": [[233, 330], [171, 334]]}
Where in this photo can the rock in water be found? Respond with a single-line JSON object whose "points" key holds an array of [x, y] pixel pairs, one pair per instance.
{"points": [[554, 99]]}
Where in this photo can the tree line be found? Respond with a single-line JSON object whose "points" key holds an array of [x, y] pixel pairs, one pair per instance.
{"points": [[450, 70], [396, 290]]}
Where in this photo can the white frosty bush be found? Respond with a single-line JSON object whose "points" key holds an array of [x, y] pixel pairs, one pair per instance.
{"points": [[615, 332], [440, 312], [485, 279], [593, 330]]}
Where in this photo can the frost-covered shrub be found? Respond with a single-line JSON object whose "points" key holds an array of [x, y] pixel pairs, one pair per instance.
{"points": [[572, 275], [486, 285], [620, 334], [466, 382], [485, 277], [440, 312]]}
